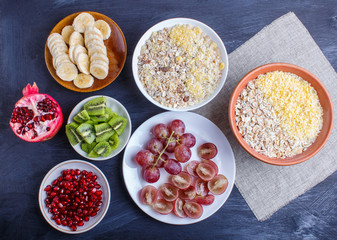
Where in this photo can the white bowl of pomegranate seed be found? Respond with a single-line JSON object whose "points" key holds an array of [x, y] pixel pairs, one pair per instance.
{"points": [[74, 196]]}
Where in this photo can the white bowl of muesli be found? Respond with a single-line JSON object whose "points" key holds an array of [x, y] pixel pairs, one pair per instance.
{"points": [[281, 114], [180, 64]]}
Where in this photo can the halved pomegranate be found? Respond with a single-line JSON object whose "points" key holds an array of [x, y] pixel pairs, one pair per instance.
{"points": [[36, 116]]}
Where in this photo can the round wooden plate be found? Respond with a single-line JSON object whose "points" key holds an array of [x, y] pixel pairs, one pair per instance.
{"points": [[116, 48]]}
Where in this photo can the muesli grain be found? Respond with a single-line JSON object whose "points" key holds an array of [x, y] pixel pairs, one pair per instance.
{"points": [[180, 66]]}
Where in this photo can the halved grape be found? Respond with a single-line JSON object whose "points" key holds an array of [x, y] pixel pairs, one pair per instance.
{"points": [[168, 192], [148, 195], [193, 209], [205, 200], [162, 206], [178, 208], [187, 194], [205, 171], [182, 180], [191, 166], [207, 150], [218, 184]]}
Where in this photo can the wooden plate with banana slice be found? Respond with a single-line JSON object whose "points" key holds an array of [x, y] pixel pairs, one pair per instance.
{"points": [[85, 51]]}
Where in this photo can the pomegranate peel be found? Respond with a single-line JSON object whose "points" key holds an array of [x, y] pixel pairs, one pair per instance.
{"points": [[36, 116]]}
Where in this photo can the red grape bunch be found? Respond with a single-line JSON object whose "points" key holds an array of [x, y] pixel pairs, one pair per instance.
{"points": [[169, 139]]}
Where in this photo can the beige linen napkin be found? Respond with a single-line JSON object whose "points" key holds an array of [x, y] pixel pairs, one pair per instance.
{"points": [[267, 188]]}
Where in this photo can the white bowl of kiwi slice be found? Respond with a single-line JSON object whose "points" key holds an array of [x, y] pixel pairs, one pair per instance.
{"points": [[98, 127]]}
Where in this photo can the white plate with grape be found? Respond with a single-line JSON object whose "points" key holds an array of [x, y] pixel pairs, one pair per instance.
{"points": [[179, 168]]}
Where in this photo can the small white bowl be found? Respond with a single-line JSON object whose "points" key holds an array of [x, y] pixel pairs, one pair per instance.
{"points": [[170, 23], [54, 173], [115, 106]]}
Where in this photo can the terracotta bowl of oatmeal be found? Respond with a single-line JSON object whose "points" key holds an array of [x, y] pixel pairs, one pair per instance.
{"points": [[250, 88], [180, 64]]}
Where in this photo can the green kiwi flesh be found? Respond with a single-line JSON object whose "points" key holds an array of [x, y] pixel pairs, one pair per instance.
{"points": [[86, 147], [73, 137], [96, 106], [102, 149], [118, 123], [103, 132], [114, 141], [87, 132], [81, 117]]}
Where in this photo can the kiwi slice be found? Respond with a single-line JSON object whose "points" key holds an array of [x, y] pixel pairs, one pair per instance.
{"points": [[86, 147], [103, 132], [81, 117], [73, 136], [96, 106], [102, 149], [100, 118], [118, 123], [110, 113], [93, 154], [86, 130], [114, 141]]}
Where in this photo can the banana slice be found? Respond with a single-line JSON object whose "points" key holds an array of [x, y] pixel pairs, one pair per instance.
{"points": [[77, 50], [60, 58], [96, 49], [71, 52], [76, 39], [56, 42], [83, 63], [83, 80], [100, 62], [99, 71], [93, 30], [58, 49], [95, 42], [67, 71], [90, 37], [100, 57], [66, 32], [82, 21], [53, 37], [104, 27]]}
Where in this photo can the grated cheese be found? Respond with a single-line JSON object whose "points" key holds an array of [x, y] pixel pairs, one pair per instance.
{"points": [[295, 102]]}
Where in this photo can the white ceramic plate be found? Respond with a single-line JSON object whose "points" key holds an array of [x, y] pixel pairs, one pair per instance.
{"points": [[170, 23], [54, 173], [204, 131], [115, 106]]}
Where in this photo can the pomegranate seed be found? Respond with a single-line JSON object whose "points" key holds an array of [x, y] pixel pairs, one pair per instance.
{"points": [[73, 227], [48, 129], [72, 198], [58, 221]]}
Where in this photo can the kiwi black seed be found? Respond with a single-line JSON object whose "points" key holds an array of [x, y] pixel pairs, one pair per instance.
{"points": [[73, 136], [96, 106], [86, 130], [118, 123]]}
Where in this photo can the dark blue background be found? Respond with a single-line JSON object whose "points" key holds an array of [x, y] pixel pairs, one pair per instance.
{"points": [[24, 27]]}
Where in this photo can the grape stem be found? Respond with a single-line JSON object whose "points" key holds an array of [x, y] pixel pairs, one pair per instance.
{"points": [[161, 153]]}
